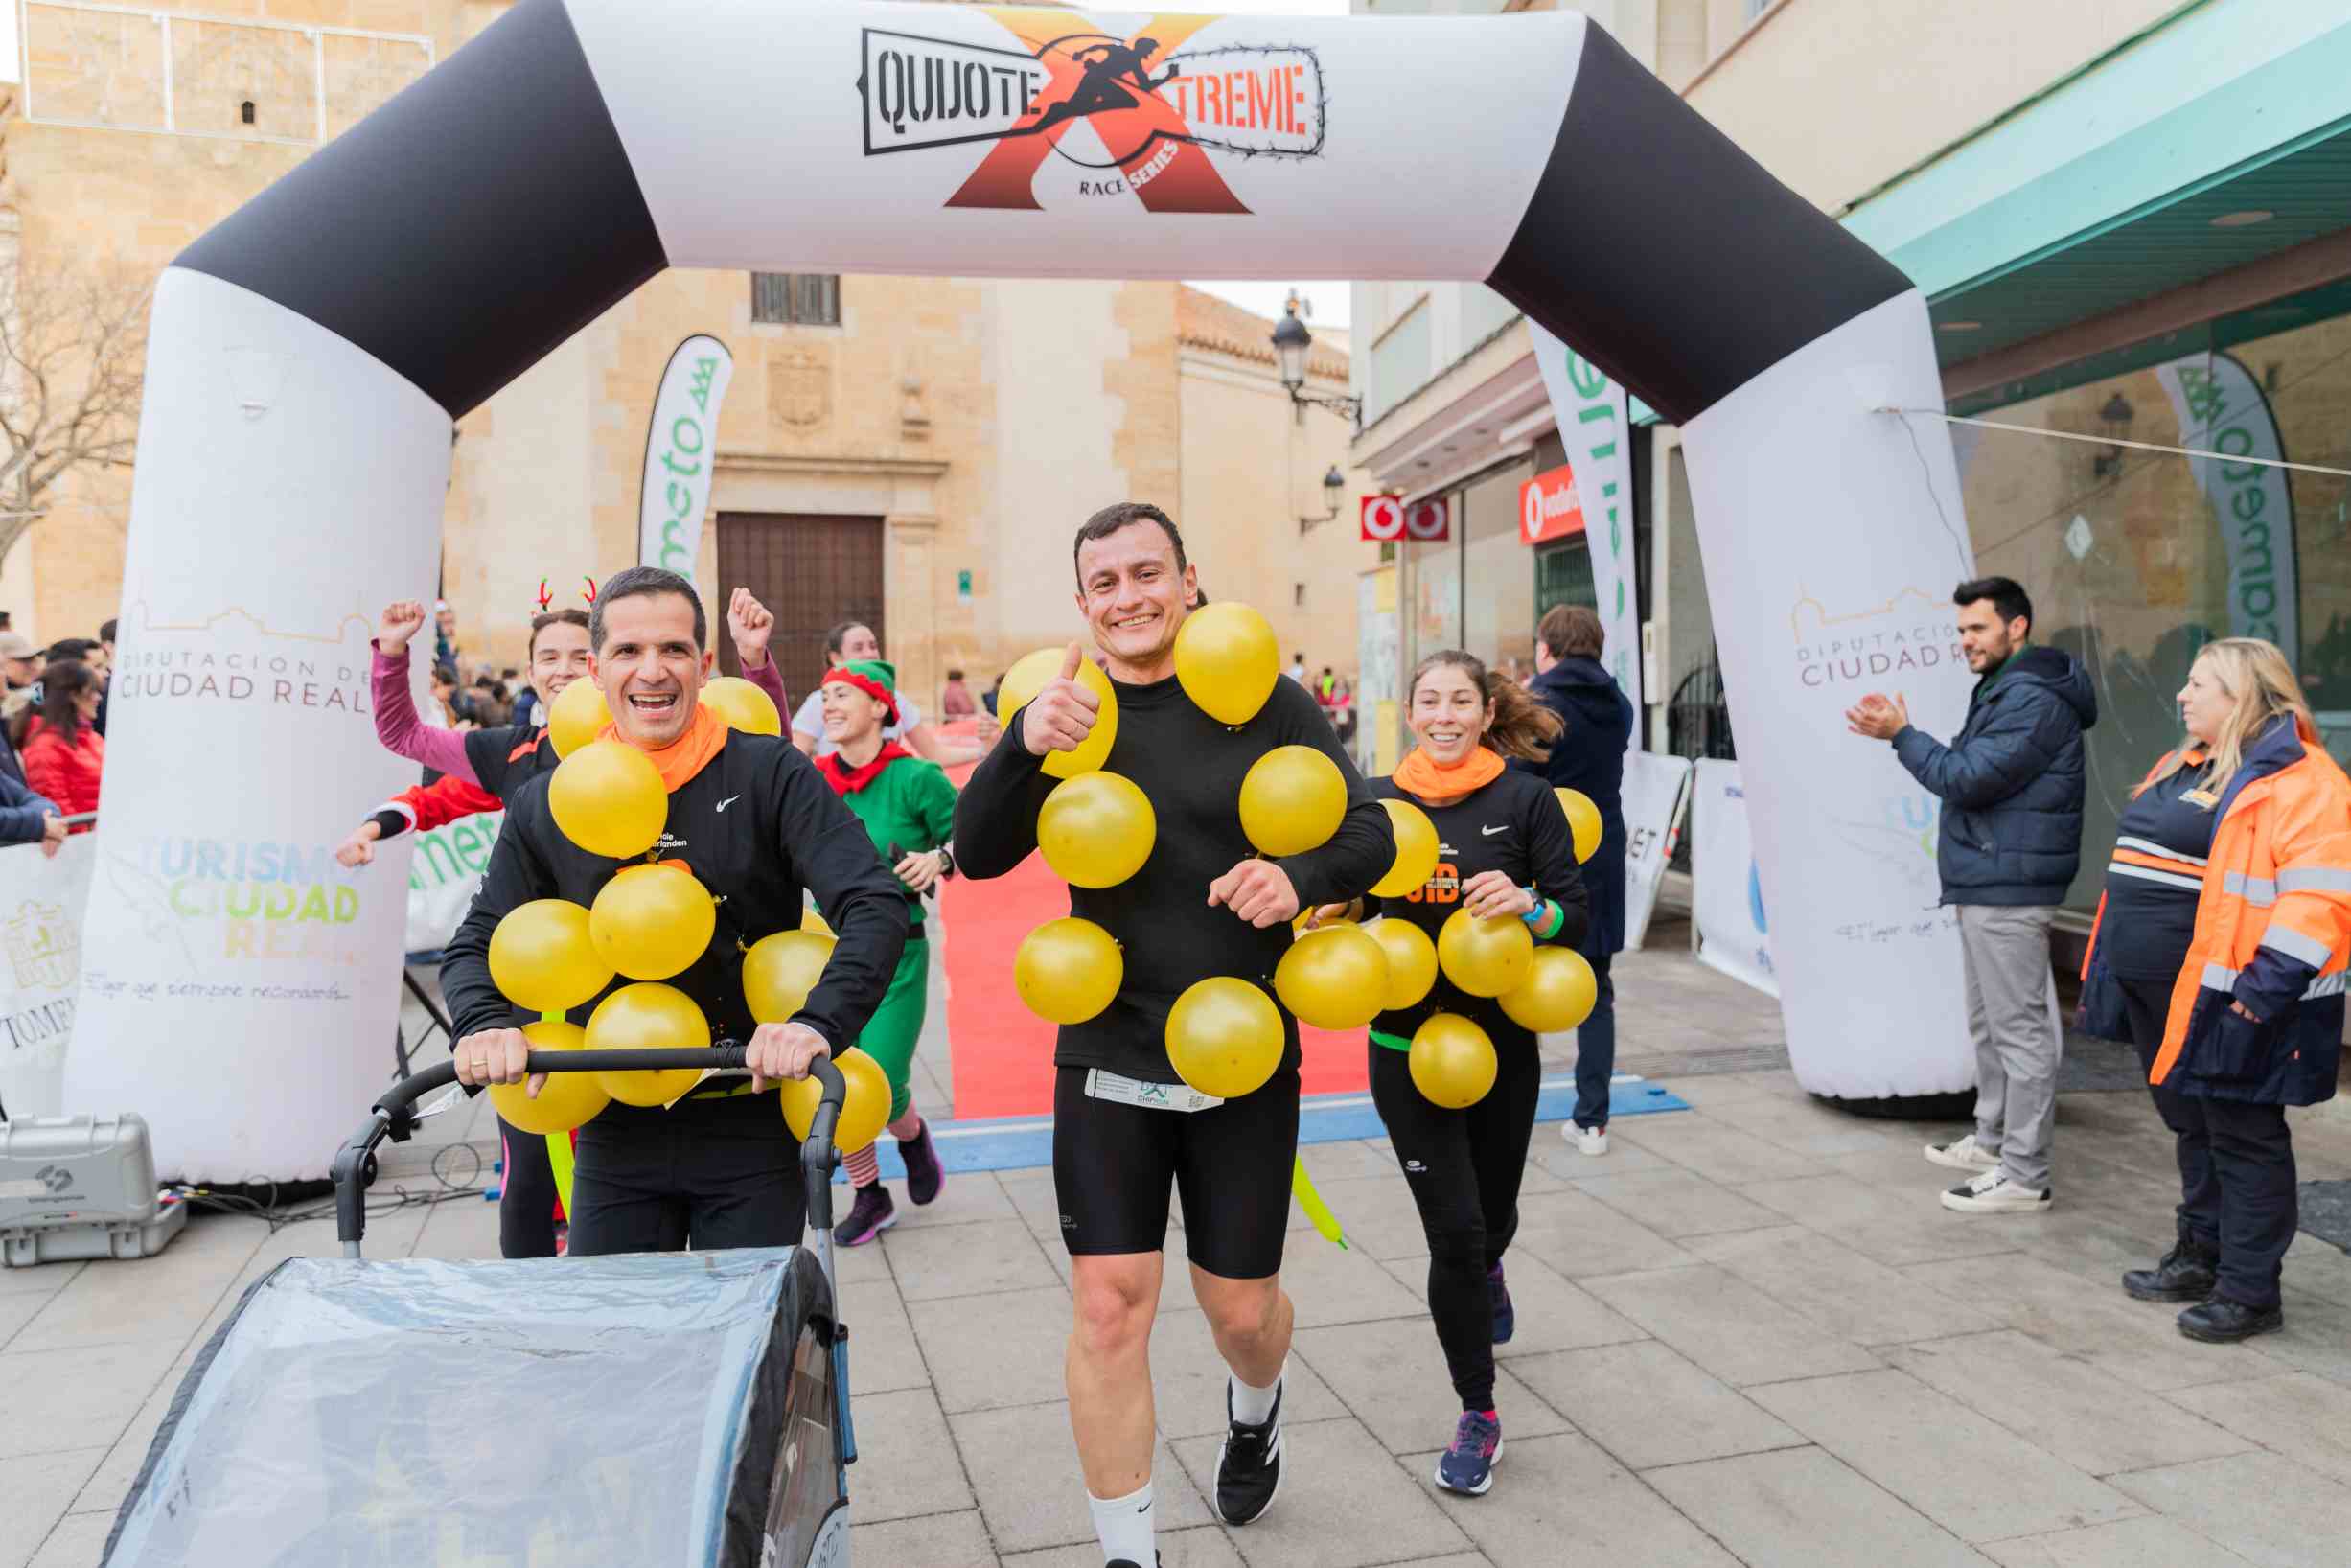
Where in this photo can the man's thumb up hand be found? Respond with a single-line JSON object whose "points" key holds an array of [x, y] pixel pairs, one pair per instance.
{"points": [[1061, 716]]}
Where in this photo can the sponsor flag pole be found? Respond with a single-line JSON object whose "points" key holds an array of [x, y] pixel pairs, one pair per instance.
{"points": [[680, 448]]}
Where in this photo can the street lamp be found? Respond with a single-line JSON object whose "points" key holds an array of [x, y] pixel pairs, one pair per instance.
{"points": [[1334, 491], [1291, 344], [2115, 419]]}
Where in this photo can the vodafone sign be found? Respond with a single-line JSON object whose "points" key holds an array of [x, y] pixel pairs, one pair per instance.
{"points": [[1549, 507], [1388, 517]]}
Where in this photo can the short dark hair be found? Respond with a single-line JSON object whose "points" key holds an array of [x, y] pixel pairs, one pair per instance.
{"points": [[642, 582], [445, 674], [557, 617], [1110, 519], [105, 631], [70, 648], [1571, 631], [840, 634], [2008, 597]]}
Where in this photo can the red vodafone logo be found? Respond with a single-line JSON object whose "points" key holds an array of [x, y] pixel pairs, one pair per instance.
{"points": [[1549, 506], [1387, 517]]}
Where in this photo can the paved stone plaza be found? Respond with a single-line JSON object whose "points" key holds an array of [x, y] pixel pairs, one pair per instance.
{"points": [[1746, 1335]]}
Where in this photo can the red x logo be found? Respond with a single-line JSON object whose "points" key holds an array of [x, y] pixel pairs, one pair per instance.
{"points": [[1100, 79]]}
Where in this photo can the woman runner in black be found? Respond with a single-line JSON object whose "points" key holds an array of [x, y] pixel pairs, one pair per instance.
{"points": [[1203, 903], [1504, 850]]}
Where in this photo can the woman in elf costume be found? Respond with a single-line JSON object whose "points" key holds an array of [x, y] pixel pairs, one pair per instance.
{"points": [[909, 809]]}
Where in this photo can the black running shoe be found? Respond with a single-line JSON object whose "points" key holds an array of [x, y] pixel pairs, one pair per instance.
{"points": [[1505, 1316], [1249, 1466], [923, 1175]]}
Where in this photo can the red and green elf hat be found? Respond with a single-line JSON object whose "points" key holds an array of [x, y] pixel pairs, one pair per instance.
{"points": [[876, 678]]}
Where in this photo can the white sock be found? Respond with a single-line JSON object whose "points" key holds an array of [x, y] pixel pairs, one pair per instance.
{"points": [[1123, 1525], [1253, 1406]]}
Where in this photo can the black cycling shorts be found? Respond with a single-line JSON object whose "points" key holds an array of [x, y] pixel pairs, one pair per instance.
{"points": [[1113, 1165]]}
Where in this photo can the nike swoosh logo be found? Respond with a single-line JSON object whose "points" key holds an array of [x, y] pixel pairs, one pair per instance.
{"points": [[728, 801], [1487, 832]]}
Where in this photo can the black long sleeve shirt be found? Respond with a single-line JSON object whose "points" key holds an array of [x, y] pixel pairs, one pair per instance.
{"points": [[1513, 825], [1190, 767], [755, 826]]}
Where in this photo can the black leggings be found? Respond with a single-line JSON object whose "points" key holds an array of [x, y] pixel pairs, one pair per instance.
{"points": [[1465, 1167], [526, 1194]]}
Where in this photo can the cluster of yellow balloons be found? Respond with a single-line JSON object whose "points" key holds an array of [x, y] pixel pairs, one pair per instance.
{"points": [[650, 923]]}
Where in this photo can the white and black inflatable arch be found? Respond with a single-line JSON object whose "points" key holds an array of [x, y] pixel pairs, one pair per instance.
{"points": [[309, 355]]}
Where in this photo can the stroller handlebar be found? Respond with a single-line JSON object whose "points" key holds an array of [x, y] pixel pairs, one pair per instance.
{"points": [[393, 1118]]}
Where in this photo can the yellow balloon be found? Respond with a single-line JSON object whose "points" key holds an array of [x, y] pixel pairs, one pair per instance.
{"points": [[1583, 822], [651, 921], [1292, 799], [811, 920], [1227, 661], [1333, 978], [779, 971], [1068, 970], [864, 1112], [1557, 994], [608, 798], [1028, 677], [742, 705], [1096, 830], [1485, 958], [577, 716], [543, 958], [566, 1101], [647, 1017], [1225, 1037], [1416, 850], [1452, 1061], [1411, 961]]}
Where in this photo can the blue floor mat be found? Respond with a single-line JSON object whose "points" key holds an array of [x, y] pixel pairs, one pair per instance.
{"points": [[1026, 1142]]}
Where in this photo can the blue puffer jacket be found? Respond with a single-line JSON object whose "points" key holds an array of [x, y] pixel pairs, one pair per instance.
{"points": [[1590, 756], [2011, 782]]}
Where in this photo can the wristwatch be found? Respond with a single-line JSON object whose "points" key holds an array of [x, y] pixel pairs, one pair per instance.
{"points": [[1534, 915], [946, 861]]}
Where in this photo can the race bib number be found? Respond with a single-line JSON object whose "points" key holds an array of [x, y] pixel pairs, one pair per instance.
{"points": [[1151, 1097]]}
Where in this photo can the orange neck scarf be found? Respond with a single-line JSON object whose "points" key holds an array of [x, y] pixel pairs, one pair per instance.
{"points": [[687, 755], [1421, 774]]}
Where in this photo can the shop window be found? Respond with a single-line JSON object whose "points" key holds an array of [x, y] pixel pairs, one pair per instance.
{"points": [[805, 299], [2136, 559]]}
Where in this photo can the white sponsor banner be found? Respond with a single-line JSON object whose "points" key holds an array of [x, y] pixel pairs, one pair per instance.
{"points": [[1652, 799], [2222, 408], [445, 870], [1595, 426], [923, 138], [1831, 533], [680, 445], [238, 984], [1728, 916], [42, 899]]}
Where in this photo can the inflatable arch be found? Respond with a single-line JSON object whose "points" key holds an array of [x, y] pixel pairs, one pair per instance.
{"points": [[308, 355]]}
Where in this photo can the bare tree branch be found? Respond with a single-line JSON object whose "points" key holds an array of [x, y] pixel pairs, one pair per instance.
{"points": [[73, 357]]}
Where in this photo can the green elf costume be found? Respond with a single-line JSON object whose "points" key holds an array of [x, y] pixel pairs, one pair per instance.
{"points": [[909, 809]]}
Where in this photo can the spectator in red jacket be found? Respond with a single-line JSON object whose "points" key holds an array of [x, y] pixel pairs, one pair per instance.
{"points": [[63, 753]]}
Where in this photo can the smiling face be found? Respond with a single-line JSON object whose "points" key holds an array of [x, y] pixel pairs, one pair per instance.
{"points": [[2204, 703], [1985, 639], [850, 715], [558, 657], [1449, 712], [650, 669], [1134, 596]]}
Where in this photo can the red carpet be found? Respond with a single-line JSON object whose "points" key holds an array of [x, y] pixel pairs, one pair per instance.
{"points": [[1004, 1053]]}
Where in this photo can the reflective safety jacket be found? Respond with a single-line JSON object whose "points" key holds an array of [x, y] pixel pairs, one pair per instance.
{"points": [[2273, 934]]}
